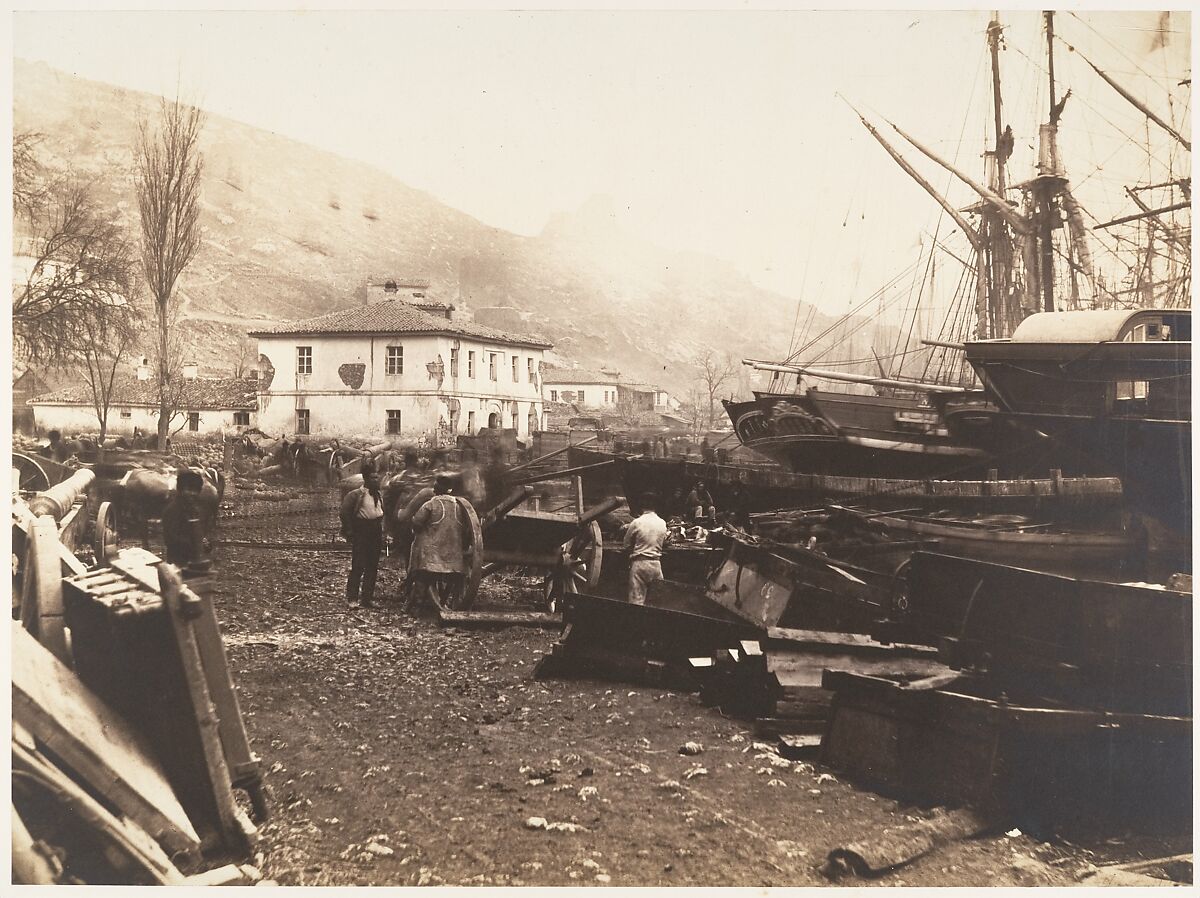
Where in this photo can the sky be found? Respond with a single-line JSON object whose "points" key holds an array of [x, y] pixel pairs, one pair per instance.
{"points": [[726, 133]]}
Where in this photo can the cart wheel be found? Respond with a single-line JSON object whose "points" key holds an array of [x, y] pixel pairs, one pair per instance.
{"points": [[579, 567], [33, 477], [464, 597], [106, 541]]}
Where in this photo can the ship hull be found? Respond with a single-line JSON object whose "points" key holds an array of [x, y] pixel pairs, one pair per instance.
{"points": [[1126, 404], [854, 435]]}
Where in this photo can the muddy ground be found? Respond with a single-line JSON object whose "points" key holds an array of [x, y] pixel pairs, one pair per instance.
{"points": [[400, 753]]}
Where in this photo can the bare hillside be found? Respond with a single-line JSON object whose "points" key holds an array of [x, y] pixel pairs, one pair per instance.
{"points": [[292, 231]]}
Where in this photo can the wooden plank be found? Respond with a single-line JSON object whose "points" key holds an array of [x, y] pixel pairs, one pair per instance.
{"points": [[62, 714], [129, 838], [72, 526], [485, 619], [798, 746], [824, 637], [245, 767], [138, 564], [180, 602], [780, 726], [229, 875], [42, 603]]}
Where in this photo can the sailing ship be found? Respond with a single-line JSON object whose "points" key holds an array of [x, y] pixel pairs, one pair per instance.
{"points": [[1117, 383], [922, 428]]}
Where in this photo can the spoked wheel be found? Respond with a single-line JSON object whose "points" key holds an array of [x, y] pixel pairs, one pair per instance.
{"points": [[33, 477], [106, 540], [578, 569]]}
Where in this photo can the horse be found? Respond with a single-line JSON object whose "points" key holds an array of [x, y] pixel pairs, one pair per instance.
{"points": [[141, 495]]}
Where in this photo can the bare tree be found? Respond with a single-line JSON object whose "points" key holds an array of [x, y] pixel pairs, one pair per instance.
{"points": [[29, 183], [693, 412], [101, 344], [714, 372], [247, 357], [169, 169], [79, 264]]}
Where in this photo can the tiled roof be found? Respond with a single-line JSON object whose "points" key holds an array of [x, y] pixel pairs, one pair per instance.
{"points": [[396, 317], [202, 393], [576, 376]]}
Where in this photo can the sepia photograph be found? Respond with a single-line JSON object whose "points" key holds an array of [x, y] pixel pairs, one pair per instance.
{"points": [[643, 448]]}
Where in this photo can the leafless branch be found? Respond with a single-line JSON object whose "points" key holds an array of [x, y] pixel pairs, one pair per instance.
{"points": [[170, 166], [81, 271]]}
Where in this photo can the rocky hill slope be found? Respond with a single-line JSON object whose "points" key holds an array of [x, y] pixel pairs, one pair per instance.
{"points": [[291, 231]]}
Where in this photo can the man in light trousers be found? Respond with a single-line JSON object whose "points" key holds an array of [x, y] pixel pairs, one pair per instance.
{"points": [[644, 538]]}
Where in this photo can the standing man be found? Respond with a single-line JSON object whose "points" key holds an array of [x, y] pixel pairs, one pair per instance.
{"points": [[180, 518], [700, 504], [644, 538], [437, 550], [362, 525]]}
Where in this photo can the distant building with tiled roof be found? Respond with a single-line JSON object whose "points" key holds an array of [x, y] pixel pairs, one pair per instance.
{"points": [[402, 365], [206, 406], [601, 389]]}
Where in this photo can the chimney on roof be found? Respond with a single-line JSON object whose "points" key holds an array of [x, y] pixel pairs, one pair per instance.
{"points": [[190, 371], [143, 368], [393, 289]]}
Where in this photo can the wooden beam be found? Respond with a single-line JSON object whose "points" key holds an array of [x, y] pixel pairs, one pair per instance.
{"points": [[50, 702]]}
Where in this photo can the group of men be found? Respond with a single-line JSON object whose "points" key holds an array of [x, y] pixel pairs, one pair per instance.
{"points": [[436, 557], [436, 563]]}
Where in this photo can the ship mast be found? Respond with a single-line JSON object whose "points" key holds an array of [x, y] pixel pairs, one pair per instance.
{"points": [[996, 318], [1048, 181]]}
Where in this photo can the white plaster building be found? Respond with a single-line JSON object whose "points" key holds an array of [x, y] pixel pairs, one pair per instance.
{"points": [[593, 389], [397, 367], [603, 389], [208, 406]]}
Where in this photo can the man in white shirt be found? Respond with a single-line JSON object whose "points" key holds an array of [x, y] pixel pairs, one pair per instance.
{"points": [[644, 538]]}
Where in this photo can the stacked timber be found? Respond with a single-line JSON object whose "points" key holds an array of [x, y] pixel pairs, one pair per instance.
{"points": [[777, 681], [648, 644]]}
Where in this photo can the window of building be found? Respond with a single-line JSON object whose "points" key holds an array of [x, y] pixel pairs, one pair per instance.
{"points": [[514, 364], [454, 362], [126, 413], [241, 419], [304, 360], [529, 365], [516, 420], [492, 356], [393, 420], [471, 420], [554, 395], [302, 420], [471, 363], [193, 421], [395, 360], [579, 395]]}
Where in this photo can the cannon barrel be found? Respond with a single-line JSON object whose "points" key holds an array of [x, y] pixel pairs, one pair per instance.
{"points": [[511, 501], [601, 510], [57, 500]]}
